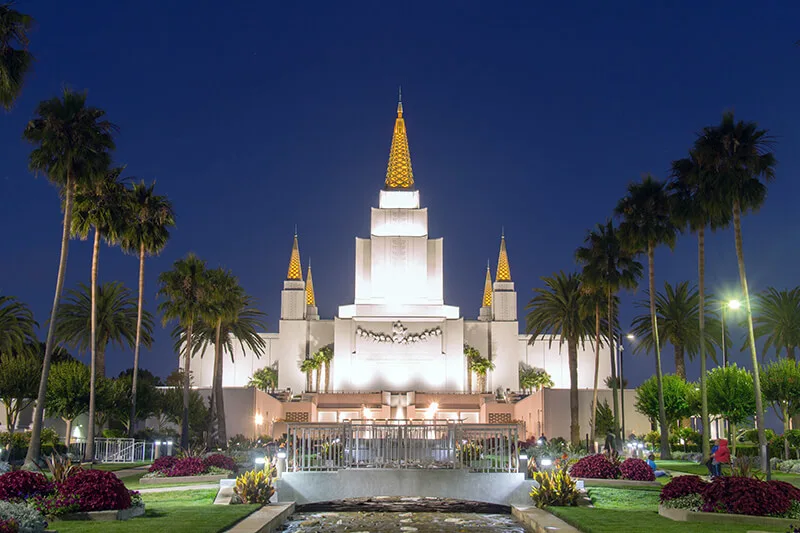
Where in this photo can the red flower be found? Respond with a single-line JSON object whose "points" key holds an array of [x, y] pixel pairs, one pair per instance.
{"points": [[742, 495], [636, 470], [163, 463], [21, 484], [98, 490], [220, 461], [595, 467], [682, 486], [188, 466]]}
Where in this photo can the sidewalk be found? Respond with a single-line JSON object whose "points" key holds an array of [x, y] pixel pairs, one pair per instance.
{"points": [[198, 486]]}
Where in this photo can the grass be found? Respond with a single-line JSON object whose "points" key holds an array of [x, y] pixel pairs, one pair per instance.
{"points": [[177, 512], [133, 482], [633, 511], [113, 467]]}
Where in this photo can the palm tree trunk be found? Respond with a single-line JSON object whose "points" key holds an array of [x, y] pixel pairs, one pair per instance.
{"points": [[187, 383], [662, 415], [38, 413], [785, 431], [790, 352], [593, 417], [308, 381], [701, 275], [469, 376], [328, 375], [218, 436], [68, 436], [318, 378], [222, 433], [574, 424], [481, 382], [616, 384], [89, 452], [139, 309], [762, 436], [680, 361]]}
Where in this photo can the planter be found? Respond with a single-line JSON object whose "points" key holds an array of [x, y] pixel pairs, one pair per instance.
{"points": [[182, 479], [617, 483], [683, 515], [122, 514]]}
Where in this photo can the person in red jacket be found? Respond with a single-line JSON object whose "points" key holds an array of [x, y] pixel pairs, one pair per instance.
{"points": [[721, 456]]}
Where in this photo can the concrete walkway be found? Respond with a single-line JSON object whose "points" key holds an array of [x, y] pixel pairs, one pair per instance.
{"points": [[125, 472], [198, 486]]}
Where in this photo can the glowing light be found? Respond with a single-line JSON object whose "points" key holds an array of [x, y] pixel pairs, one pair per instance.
{"points": [[158, 443], [259, 419], [631, 336], [281, 455], [734, 304], [260, 460], [169, 443], [523, 457], [547, 462], [434, 406], [366, 412]]}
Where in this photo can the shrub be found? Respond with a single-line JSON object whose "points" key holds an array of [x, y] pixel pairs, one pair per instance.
{"points": [[595, 467], [188, 466], [682, 486], [4, 467], [22, 484], [114, 434], [741, 495], [49, 438], [555, 488], [636, 470], [28, 520], [219, 460], [787, 489], [98, 490], [214, 471], [55, 505], [690, 502], [163, 463], [61, 467], [8, 526], [256, 486]]}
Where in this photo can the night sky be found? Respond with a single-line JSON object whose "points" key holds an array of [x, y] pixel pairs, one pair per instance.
{"points": [[256, 117]]}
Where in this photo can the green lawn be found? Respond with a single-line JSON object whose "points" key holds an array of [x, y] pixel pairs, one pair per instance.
{"points": [[133, 482], [176, 512], [113, 467], [633, 511]]}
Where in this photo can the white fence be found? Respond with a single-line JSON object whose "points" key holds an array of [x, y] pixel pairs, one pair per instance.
{"points": [[117, 450], [410, 444]]}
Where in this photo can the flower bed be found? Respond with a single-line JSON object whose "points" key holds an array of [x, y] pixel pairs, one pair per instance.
{"points": [[594, 468], [213, 467]]}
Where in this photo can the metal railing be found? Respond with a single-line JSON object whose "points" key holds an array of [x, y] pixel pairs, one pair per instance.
{"points": [[405, 444], [116, 450]]}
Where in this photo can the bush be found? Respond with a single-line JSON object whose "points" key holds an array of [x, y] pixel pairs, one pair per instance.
{"points": [[28, 520], [690, 502], [636, 470], [114, 434], [188, 466], [682, 486], [787, 489], [61, 467], [653, 439], [163, 464], [8, 526], [595, 467], [256, 486], [55, 505], [219, 460], [22, 484], [4, 467], [555, 488], [741, 495], [49, 438], [98, 490]]}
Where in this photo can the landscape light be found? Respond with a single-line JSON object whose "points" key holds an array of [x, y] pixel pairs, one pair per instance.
{"points": [[641, 445], [539, 442], [158, 443], [260, 460], [547, 462], [523, 457], [281, 455], [259, 419], [169, 443]]}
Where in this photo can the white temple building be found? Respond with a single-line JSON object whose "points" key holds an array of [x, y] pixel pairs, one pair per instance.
{"points": [[398, 347]]}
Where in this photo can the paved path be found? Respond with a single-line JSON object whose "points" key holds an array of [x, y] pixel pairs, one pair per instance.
{"points": [[125, 472], [198, 486]]}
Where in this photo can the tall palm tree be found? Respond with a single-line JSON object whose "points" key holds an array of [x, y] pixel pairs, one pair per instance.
{"points": [[146, 234], [188, 300], [72, 144], [264, 379], [646, 223], [609, 267], [325, 354], [17, 326], [558, 309], [15, 59], [696, 205], [740, 157], [307, 366], [677, 309], [481, 366], [777, 317]]}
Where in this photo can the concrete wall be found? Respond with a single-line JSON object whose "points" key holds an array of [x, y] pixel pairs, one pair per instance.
{"points": [[557, 413]]}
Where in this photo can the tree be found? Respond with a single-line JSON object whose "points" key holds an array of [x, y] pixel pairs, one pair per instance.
{"points": [[777, 317], [15, 59], [68, 393], [325, 355], [780, 385], [17, 326], [608, 267], [172, 408], [115, 404], [265, 379], [470, 354], [558, 309], [604, 421], [696, 206], [307, 366], [146, 235], [19, 379], [646, 223], [532, 379], [731, 395], [677, 311], [740, 157], [481, 366], [187, 297], [676, 395], [72, 144]]}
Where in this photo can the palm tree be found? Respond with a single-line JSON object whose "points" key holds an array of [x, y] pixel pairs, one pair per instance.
{"points": [[610, 267], [677, 311], [308, 366], [696, 206], [264, 379], [558, 309], [470, 354], [188, 301], [325, 354], [481, 366], [15, 59], [740, 157], [646, 223], [320, 363], [146, 234], [17, 326], [777, 317], [72, 143]]}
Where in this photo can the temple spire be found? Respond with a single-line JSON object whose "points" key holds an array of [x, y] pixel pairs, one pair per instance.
{"points": [[295, 271], [310, 300], [487, 288], [398, 172], [503, 270]]}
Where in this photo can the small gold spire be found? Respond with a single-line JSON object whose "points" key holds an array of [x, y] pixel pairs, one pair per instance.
{"points": [[503, 270], [310, 300], [398, 172], [487, 288], [295, 270]]}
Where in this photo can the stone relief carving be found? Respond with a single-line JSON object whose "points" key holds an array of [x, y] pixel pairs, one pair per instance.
{"points": [[399, 335]]}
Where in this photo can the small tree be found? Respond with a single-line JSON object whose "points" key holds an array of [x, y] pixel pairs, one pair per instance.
{"points": [[731, 395], [481, 366], [68, 393], [172, 409], [264, 379], [604, 421], [470, 354], [19, 383], [532, 379], [307, 366], [676, 399], [780, 385]]}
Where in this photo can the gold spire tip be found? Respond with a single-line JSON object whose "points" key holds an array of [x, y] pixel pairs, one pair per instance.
{"points": [[503, 270], [310, 299], [398, 172], [487, 289], [295, 271]]}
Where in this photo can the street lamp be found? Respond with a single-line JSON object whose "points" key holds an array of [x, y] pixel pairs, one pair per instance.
{"points": [[730, 304]]}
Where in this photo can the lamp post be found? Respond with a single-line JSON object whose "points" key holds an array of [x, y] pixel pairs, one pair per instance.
{"points": [[732, 304]]}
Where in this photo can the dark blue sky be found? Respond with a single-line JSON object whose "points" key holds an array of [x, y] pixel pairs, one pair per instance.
{"points": [[254, 118]]}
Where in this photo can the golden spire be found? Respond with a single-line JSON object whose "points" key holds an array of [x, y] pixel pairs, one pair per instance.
{"points": [[487, 288], [310, 300], [295, 270], [503, 270], [398, 173]]}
